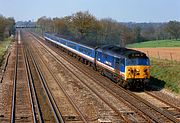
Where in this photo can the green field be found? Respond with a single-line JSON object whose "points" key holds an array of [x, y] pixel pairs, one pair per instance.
{"points": [[155, 43], [166, 74], [3, 47]]}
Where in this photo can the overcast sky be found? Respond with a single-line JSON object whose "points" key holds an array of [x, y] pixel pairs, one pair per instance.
{"points": [[120, 10]]}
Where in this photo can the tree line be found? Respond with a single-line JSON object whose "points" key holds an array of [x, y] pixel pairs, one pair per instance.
{"points": [[85, 28], [6, 27]]}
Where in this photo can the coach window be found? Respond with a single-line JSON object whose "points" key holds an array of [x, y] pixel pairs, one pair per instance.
{"points": [[98, 56], [103, 55], [106, 57]]}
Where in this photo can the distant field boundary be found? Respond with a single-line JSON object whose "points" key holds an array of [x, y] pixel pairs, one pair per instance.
{"points": [[172, 54], [156, 44]]}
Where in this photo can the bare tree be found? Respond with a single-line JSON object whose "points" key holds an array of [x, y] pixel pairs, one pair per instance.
{"points": [[173, 28], [6, 27]]}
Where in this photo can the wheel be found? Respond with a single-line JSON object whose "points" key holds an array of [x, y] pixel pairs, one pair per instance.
{"points": [[125, 85], [102, 73]]}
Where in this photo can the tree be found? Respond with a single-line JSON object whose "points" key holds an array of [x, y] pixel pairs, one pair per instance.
{"points": [[173, 28], [149, 33], [126, 36], [10, 29], [59, 25], [110, 31], [137, 34], [83, 24], [6, 27], [161, 34], [46, 24]]}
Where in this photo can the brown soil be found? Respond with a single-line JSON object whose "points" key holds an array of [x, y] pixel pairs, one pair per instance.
{"points": [[162, 53]]}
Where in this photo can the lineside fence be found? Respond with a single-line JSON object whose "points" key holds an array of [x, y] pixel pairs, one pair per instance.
{"points": [[172, 54]]}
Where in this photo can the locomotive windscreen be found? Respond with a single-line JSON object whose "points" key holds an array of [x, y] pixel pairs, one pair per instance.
{"points": [[137, 54], [137, 61]]}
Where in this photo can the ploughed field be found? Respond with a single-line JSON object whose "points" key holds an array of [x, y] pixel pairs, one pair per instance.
{"points": [[163, 49], [170, 53]]}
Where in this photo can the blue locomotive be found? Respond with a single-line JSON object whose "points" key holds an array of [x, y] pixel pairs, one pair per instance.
{"points": [[129, 68]]}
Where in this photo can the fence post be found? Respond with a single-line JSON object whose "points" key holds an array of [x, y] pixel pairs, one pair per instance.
{"points": [[158, 55], [171, 56], [147, 53]]}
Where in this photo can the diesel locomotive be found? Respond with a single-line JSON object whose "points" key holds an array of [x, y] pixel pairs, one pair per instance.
{"points": [[129, 68]]}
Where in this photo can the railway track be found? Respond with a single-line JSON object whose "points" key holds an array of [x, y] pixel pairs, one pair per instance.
{"points": [[81, 115], [125, 115], [161, 103], [34, 99], [21, 108], [156, 114], [25, 104], [49, 98]]}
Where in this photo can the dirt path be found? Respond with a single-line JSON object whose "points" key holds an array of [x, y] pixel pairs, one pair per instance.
{"points": [[162, 53]]}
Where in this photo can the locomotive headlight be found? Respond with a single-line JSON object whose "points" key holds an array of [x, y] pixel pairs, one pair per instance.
{"points": [[137, 70]]}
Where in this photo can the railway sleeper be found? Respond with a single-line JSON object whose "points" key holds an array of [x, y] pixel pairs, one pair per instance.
{"points": [[72, 118]]}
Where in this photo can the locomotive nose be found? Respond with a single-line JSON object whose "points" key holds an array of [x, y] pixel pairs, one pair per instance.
{"points": [[134, 71], [137, 72]]}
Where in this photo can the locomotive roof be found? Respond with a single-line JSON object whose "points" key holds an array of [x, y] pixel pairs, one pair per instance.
{"points": [[120, 51]]}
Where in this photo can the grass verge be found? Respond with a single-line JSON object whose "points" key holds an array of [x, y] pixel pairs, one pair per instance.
{"points": [[3, 48], [155, 43], [166, 73]]}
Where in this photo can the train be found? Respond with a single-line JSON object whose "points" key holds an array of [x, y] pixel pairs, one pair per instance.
{"points": [[129, 68]]}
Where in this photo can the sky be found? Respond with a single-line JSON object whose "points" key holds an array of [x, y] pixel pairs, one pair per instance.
{"points": [[119, 10]]}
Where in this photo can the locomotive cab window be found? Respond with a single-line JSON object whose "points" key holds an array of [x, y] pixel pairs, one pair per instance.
{"points": [[117, 61], [138, 61]]}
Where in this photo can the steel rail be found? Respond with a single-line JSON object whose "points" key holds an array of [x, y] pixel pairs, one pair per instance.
{"points": [[162, 112], [14, 86], [167, 103], [57, 114], [5, 66], [69, 98], [32, 91]]}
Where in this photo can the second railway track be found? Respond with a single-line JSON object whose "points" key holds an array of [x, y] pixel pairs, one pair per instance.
{"points": [[47, 110]]}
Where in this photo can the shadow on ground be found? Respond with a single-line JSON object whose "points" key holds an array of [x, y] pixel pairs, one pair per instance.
{"points": [[154, 85]]}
